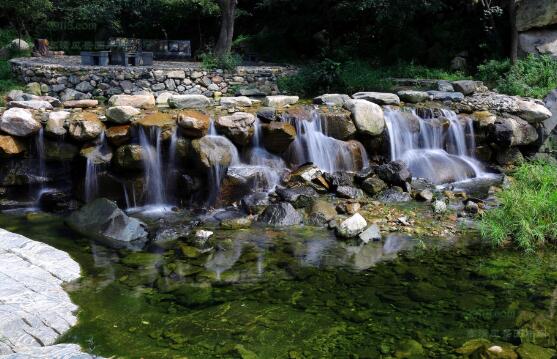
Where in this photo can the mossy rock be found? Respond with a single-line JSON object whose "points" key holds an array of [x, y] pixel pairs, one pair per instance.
{"points": [[141, 259], [194, 294], [425, 292], [531, 351], [409, 349]]}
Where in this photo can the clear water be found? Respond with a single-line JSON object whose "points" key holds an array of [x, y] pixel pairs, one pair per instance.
{"points": [[300, 293]]}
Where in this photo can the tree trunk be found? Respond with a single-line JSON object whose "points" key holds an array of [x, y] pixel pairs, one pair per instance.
{"points": [[224, 43], [514, 31]]}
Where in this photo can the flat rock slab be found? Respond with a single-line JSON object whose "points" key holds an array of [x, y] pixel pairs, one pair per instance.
{"points": [[34, 308]]}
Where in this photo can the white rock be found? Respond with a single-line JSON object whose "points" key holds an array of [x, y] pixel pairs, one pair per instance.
{"points": [[532, 111], [280, 100], [352, 226], [145, 101], [331, 99], [19, 44], [31, 104], [81, 103], [56, 122], [380, 98], [19, 122], [121, 114], [163, 97], [189, 101], [58, 351], [372, 233], [203, 234], [176, 74], [368, 116], [439, 206], [242, 101]]}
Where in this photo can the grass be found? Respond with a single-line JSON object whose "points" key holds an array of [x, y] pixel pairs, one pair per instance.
{"points": [[349, 77], [527, 215], [7, 80], [532, 76]]}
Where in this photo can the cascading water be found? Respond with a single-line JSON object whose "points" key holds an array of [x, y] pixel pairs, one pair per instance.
{"points": [[40, 151], [329, 154], [440, 149], [152, 164], [91, 185]]}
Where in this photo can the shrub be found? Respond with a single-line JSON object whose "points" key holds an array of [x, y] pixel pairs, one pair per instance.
{"points": [[527, 215], [533, 76], [227, 62]]}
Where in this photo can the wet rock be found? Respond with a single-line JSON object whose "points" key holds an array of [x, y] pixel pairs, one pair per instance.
{"points": [[236, 223], [352, 226], [321, 213], [471, 207], [239, 101], [212, 151], [331, 99], [145, 101], [60, 151], [103, 221], [189, 101], [31, 105], [255, 203], [129, 157], [81, 103], [161, 121], [367, 116], [299, 197], [409, 348], [57, 202], [56, 123], [339, 124], [444, 86], [531, 351], [19, 122], [373, 185], [348, 192], [532, 111], [306, 173], [193, 123], [466, 87], [509, 156], [118, 135], [267, 114], [277, 136], [122, 114], [281, 214], [85, 126], [97, 155], [10, 146], [395, 173], [348, 207], [238, 127], [439, 207], [202, 236], [372, 233], [380, 98], [446, 96], [394, 195], [412, 96], [474, 347], [339, 179], [280, 101]]}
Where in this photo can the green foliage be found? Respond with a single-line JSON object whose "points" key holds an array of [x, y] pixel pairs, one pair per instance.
{"points": [[527, 215], [353, 76], [226, 62], [533, 76]]}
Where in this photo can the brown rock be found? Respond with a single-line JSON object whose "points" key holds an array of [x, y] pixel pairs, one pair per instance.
{"points": [[10, 146], [193, 123], [81, 103], [118, 135], [277, 136], [164, 121]]}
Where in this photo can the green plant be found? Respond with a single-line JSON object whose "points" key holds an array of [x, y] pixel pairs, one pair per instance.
{"points": [[527, 214], [532, 76], [229, 61]]}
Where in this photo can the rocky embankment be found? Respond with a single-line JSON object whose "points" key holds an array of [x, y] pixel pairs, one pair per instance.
{"points": [[34, 308]]}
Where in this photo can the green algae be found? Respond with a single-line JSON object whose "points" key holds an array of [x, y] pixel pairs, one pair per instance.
{"points": [[302, 294]]}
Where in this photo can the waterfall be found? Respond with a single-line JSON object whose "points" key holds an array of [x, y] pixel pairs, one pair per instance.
{"points": [[40, 149], [440, 149], [152, 163], [329, 154], [91, 185]]}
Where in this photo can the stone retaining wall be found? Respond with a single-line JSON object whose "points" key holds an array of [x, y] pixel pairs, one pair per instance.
{"points": [[66, 78]]}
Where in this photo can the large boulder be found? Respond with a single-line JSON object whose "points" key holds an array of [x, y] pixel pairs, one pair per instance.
{"points": [[467, 87], [535, 14], [238, 127], [412, 96], [280, 100], [331, 99], [212, 151], [281, 214], [539, 42], [118, 135], [532, 111], [122, 114], [513, 131], [19, 45], [380, 98], [10, 146], [19, 122], [352, 226], [367, 116], [56, 123], [103, 221], [338, 124], [395, 173], [31, 105], [189, 101], [144, 101], [85, 126], [161, 121], [129, 157], [194, 123], [277, 136]]}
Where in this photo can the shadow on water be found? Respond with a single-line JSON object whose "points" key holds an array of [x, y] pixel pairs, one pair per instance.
{"points": [[300, 293]]}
